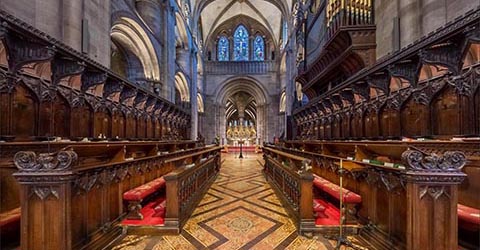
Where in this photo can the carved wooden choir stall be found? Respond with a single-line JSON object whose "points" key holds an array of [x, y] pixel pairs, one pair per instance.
{"points": [[77, 140], [406, 130]]}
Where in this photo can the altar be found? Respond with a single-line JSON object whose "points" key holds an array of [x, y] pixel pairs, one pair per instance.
{"points": [[238, 132]]}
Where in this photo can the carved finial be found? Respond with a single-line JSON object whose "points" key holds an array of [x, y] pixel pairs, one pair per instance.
{"points": [[29, 161], [450, 161]]}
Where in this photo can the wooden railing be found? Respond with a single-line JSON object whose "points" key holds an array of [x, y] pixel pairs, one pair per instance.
{"points": [[293, 184], [400, 198], [76, 192], [9, 192], [186, 185]]}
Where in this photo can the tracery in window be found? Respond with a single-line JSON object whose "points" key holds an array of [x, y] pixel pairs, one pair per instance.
{"points": [[222, 49], [240, 44], [258, 49]]}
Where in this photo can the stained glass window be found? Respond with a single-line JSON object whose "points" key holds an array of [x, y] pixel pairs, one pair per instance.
{"points": [[223, 49], [240, 44], [258, 49]]}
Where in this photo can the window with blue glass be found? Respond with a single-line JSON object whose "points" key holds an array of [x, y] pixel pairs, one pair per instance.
{"points": [[240, 44], [258, 49], [222, 49]]}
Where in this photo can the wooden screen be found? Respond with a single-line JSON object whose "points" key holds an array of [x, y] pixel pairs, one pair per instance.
{"points": [[25, 108], [446, 113], [82, 121], [414, 118], [390, 123]]}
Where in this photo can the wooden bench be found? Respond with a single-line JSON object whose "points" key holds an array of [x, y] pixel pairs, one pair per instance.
{"points": [[138, 195], [332, 189], [326, 213]]}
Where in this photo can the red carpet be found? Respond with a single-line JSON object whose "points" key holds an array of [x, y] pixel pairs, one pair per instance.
{"points": [[331, 215], [148, 219]]}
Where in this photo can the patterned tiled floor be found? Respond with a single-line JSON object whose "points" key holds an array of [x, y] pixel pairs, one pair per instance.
{"points": [[240, 211]]}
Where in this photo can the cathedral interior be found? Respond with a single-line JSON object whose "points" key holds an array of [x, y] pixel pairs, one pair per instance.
{"points": [[240, 124]]}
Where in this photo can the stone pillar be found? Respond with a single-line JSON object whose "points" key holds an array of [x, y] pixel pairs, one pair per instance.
{"points": [[193, 95], [170, 53], [289, 85], [432, 197], [46, 198], [261, 126], [72, 23], [222, 123]]}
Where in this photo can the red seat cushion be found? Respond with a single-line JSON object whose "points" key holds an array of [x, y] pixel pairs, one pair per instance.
{"points": [[468, 217], [160, 209], [10, 217], [317, 206], [139, 193], [334, 190]]}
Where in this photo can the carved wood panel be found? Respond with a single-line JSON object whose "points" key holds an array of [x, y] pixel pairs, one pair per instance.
{"points": [[25, 108], [446, 113], [82, 121], [390, 123], [414, 118], [131, 125]]}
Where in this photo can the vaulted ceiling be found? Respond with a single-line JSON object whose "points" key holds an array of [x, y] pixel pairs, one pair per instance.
{"points": [[269, 13]]}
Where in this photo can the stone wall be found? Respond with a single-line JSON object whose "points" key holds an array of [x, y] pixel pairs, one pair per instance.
{"points": [[416, 19], [270, 121], [63, 20]]}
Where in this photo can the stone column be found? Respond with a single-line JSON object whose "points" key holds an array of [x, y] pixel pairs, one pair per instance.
{"points": [[72, 24], [289, 85], [221, 119], [170, 53], [193, 95]]}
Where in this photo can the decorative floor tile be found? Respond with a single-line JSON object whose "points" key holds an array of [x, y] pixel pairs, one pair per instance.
{"points": [[240, 211]]}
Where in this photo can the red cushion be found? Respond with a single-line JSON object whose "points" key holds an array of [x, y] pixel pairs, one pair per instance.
{"points": [[160, 209], [334, 190], [139, 193], [10, 217], [468, 217], [317, 206]]}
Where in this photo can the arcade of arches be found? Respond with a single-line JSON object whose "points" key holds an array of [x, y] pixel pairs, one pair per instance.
{"points": [[240, 124]]}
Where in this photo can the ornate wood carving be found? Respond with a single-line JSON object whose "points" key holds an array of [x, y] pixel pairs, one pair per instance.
{"points": [[447, 54], [127, 94], [63, 67], [425, 94], [407, 70], [111, 87], [380, 81], [92, 78], [450, 161], [44, 192], [466, 84], [150, 104], [337, 101], [348, 96], [362, 89], [23, 50], [434, 191], [27, 161], [396, 100], [140, 99]]}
